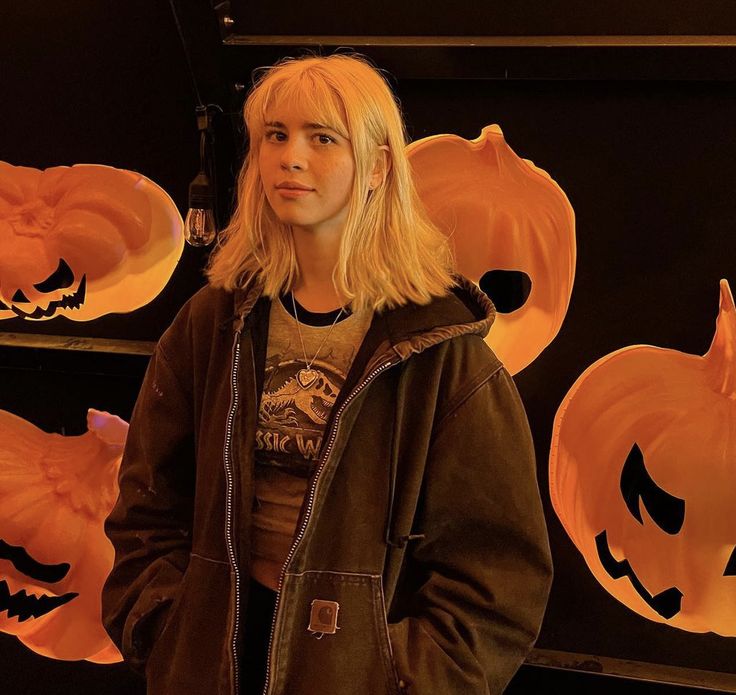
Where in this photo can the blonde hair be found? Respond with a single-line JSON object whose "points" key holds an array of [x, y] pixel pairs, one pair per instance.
{"points": [[390, 253]]}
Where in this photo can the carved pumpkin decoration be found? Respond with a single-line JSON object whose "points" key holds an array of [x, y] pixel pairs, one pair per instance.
{"points": [[55, 493], [507, 220], [83, 241], [642, 477]]}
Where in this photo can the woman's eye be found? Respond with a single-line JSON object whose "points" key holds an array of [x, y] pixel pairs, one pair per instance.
{"points": [[324, 139], [276, 135]]}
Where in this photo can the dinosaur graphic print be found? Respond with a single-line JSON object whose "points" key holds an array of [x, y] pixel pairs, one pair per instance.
{"points": [[293, 415], [296, 402]]}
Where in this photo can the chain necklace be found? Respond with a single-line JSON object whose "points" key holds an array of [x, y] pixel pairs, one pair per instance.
{"points": [[306, 377]]}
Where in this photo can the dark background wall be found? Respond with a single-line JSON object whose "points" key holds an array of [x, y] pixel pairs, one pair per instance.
{"points": [[641, 138]]}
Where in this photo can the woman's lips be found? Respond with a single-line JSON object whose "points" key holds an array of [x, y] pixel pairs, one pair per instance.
{"points": [[293, 192]]}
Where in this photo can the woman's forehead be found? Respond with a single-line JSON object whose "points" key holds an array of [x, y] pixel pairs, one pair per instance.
{"points": [[300, 107]]}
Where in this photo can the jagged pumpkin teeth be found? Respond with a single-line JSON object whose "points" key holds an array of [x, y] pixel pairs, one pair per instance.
{"points": [[55, 493], [83, 241], [642, 477], [512, 229]]}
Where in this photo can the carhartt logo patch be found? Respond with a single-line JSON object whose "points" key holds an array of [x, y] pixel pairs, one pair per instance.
{"points": [[323, 617]]}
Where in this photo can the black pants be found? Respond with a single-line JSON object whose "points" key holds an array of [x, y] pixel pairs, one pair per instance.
{"points": [[256, 634]]}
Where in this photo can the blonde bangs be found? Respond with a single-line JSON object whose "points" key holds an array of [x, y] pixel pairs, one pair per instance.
{"points": [[310, 91]]}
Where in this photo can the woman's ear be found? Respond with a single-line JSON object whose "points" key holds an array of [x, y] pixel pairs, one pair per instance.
{"points": [[381, 167]]}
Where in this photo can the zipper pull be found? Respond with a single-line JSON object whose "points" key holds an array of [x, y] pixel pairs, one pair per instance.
{"points": [[403, 540]]}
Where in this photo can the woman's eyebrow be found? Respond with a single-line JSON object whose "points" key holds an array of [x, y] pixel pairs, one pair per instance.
{"points": [[319, 126], [310, 126]]}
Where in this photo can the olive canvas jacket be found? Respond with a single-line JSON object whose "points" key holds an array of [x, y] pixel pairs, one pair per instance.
{"points": [[422, 529]]}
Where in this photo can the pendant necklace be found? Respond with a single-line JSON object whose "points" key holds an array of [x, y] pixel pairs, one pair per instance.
{"points": [[306, 377]]}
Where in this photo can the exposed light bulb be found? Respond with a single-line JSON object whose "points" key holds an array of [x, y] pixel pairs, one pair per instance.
{"points": [[199, 225]]}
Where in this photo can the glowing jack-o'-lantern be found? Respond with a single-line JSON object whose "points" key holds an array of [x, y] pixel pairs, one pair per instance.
{"points": [[55, 493], [505, 218], [642, 477], [83, 241]]}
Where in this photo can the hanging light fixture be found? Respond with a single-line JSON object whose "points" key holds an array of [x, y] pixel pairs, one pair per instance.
{"points": [[200, 228], [199, 225]]}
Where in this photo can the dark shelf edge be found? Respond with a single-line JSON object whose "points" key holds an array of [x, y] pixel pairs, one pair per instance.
{"points": [[634, 670], [636, 41], [63, 342], [668, 58]]}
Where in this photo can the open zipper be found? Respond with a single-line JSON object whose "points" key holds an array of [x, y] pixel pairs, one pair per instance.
{"points": [[310, 503], [229, 480]]}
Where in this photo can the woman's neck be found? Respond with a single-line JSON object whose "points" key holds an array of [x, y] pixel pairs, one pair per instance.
{"points": [[318, 298], [317, 255]]}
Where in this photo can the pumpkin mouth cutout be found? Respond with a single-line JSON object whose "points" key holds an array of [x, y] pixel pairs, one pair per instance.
{"points": [[26, 606], [667, 603], [668, 513], [72, 301], [642, 449], [22, 604]]}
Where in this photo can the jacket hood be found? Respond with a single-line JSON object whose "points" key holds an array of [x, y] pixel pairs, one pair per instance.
{"points": [[413, 328]]}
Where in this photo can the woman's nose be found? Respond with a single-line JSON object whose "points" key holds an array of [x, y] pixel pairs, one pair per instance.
{"points": [[293, 156]]}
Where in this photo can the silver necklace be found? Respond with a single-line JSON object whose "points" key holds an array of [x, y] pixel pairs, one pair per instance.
{"points": [[306, 377]]}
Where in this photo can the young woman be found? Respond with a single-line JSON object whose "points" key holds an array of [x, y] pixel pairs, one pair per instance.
{"points": [[329, 483]]}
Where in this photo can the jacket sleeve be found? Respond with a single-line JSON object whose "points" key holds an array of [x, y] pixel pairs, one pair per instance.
{"points": [[484, 558], [150, 525]]}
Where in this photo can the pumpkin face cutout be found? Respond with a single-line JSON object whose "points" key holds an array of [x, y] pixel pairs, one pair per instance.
{"points": [[83, 241], [506, 219], [55, 493], [642, 478]]}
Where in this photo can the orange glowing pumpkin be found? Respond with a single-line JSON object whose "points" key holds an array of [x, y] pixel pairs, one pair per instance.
{"points": [[55, 493], [83, 241], [503, 215], [642, 477]]}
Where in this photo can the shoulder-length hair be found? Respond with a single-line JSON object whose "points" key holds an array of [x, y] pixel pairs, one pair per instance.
{"points": [[390, 252]]}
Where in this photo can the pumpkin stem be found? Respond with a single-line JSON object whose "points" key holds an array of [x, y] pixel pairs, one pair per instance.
{"points": [[84, 468], [721, 356]]}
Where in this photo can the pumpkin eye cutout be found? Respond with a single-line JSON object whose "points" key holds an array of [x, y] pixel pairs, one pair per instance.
{"points": [[60, 279], [667, 511], [639, 429], [730, 570], [84, 241], [512, 232], [55, 493], [507, 289], [23, 562]]}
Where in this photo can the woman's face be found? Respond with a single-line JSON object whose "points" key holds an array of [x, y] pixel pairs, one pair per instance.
{"points": [[307, 170]]}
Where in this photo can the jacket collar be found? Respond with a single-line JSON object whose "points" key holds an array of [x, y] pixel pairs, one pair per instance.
{"points": [[414, 328], [408, 329]]}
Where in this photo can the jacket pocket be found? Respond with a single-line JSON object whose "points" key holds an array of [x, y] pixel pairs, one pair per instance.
{"points": [[193, 645], [331, 636]]}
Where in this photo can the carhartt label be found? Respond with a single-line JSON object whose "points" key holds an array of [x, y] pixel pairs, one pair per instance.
{"points": [[323, 617]]}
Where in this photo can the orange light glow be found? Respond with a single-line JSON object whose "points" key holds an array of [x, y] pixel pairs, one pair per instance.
{"points": [[502, 212], [642, 477], [55, 493], [83, 241]]}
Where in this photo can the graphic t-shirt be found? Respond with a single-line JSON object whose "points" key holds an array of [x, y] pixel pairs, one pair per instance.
{"points": [[295, 406]]}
